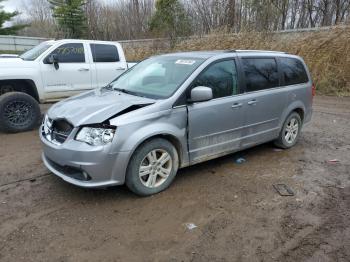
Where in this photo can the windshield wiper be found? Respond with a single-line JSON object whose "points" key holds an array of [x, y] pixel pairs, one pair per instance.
{"points": [[125, 91], [108, 87]]}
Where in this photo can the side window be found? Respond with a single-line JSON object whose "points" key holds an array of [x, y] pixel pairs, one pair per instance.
{"points": [[104, 53], [293, 71], [221, 77], [70, 53], [260, 73]]}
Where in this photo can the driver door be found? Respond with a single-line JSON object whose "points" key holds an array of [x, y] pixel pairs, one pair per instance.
{"points": [[72, 76], [216, 126]]}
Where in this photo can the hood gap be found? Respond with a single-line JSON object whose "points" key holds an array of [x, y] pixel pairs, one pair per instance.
{"points": [[128, 109]]}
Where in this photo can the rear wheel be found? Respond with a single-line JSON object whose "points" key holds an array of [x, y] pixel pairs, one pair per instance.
{"points": [[18, 112], [152, 167], [290, 131]]}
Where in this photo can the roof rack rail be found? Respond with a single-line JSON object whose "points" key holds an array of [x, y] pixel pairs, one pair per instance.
{"points": [[264, 51]]}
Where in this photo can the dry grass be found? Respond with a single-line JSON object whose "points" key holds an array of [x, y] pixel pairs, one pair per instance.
{"points": [[10, 52], [327, 53]]}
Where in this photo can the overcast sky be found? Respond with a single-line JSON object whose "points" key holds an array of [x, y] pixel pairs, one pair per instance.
{"points": [[13, 5], [17, 5]]}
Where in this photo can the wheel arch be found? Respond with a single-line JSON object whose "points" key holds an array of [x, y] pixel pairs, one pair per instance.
{"points": [[167, 136], [300, 112], [27, 86], [296, 106]]}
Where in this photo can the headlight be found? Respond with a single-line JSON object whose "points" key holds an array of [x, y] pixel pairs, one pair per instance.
{"points": [[96, 136]]}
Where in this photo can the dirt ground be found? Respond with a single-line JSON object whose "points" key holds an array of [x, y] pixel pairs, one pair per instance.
{"points": [[238, 214]]}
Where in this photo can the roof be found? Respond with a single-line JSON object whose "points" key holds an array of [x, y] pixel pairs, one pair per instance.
{"points": [[80, 41], [198, 54], [209, 54]]}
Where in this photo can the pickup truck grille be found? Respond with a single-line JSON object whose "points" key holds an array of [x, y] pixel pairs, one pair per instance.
{"points": [[56, 131]]}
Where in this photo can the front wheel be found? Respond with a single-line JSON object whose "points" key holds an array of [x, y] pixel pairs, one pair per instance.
{"points": [[18, 112], [152, 167], [290, 131]]}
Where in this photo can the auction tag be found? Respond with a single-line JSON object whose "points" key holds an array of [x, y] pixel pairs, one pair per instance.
{"points": [[185, 62]]}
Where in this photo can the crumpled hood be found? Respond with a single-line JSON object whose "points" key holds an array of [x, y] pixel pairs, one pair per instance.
{"points": [[94, 106]]}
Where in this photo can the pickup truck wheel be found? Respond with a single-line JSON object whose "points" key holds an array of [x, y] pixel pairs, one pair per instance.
{"points": [[290, 131], [18, 112], [152, 167]]}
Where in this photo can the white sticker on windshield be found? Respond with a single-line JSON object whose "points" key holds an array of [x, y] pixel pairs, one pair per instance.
{"points": [[185, 62]]}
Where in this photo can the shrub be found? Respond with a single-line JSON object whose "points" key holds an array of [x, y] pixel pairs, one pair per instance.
{"points": [[326, 52]]}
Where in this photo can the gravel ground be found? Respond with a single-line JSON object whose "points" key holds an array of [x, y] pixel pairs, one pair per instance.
{"points": [[238, 214]]}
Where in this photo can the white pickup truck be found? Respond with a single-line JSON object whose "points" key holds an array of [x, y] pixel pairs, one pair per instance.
{"points": [[51, 71]]}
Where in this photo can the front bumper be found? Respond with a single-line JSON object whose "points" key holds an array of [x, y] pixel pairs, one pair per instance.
{"points": [[84, 165]]}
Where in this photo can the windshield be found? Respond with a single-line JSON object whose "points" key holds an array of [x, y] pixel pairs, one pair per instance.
{"points": [[157, 77], [35, 52]]}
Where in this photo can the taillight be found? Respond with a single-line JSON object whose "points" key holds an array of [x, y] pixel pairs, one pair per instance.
{"points": [[313, 90]]}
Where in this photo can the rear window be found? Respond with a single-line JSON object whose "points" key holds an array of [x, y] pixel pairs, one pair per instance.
{"points": [[260, 73], [104, 53], [293, 71]]}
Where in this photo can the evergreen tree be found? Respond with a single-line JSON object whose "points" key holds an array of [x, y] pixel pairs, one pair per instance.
{"points": [[70, 16], [5, 17], [170, 20]]}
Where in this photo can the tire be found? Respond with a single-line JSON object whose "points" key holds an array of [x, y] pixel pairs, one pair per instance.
{"points": [[289, 126], [18, 112], [150, 181]]}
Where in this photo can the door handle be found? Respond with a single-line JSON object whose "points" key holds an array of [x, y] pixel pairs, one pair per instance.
{"points": [[83, 69], [120, 68], [236, 105], [252, 102]]}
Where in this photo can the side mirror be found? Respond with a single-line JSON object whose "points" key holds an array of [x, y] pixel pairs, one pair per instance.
{"points": [[201, 93], [52, 59]]}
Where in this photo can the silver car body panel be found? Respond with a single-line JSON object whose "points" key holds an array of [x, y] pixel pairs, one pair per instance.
{"points": [[94, 106], [200, 131]]}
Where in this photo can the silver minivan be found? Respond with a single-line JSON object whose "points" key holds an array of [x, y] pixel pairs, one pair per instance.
{"points": [[175, 110]]}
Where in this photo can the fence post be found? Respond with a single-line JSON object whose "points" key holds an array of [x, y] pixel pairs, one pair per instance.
{"points": [[15, 43]]}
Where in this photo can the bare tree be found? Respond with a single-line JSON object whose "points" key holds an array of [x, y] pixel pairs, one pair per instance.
{"points": [[39, 16], [130, 19]]}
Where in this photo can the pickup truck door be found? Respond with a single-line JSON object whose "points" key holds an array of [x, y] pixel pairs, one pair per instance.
{"points": [[108, 62], [72, 76], [216, 126]]}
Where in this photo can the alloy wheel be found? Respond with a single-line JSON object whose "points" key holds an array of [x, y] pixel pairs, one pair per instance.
{"points": [[18, 112], [155, 168], [291, 130]]}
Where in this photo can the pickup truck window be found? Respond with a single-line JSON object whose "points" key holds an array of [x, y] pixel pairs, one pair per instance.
{"points": [[157, 77], [104, 53], [35, 52], [70, 53]]}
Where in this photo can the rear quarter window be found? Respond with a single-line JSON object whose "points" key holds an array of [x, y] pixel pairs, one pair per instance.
{"points": [[293, 71], [104, 53]]}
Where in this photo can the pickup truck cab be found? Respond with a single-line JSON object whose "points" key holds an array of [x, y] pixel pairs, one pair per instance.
{"points": [[51, 71]]}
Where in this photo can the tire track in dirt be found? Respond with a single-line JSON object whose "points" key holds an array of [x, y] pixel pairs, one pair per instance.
{"points": [[8, 227], [24, 180]]}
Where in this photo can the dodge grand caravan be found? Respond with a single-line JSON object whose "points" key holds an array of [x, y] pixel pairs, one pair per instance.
{"points": [[176, 110]]}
